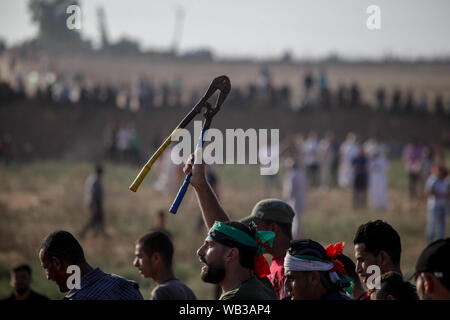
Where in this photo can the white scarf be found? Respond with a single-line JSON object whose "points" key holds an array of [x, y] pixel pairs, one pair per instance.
{"points": [[292, 263]]}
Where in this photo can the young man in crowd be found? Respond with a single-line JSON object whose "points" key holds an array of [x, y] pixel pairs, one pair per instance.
{"points": [[432, 271], [62, 257], [312, 273], [392, 287], [233, 258], [438, 190], [269, 215], [20, 281], [376, 243], [276, 216], [94, 198], [350, 268], [154, 255]]}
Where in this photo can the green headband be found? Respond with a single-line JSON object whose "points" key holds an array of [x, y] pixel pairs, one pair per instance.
{"points": [[262, 240]]}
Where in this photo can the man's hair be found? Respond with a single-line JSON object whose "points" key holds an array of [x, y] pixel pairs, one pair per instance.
{"points": [[286, 228], [157, 241], [246, 254], [377, 236], [349, 265], [63, 245], [22, 267], [391, 283]]}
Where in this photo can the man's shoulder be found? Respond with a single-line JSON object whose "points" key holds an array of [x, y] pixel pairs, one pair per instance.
{"points": [[173, 283], [336, 295], [252, 289], [121, 281], [173, 290], [109, 287]]}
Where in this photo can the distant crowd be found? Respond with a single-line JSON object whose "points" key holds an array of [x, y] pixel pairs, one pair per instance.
{"points": [[144, 93], [363, 166]]}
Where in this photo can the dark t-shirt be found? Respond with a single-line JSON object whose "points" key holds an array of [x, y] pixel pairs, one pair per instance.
{"points": [[34, 296], [173, 289], [335, 295], [252, 289]]}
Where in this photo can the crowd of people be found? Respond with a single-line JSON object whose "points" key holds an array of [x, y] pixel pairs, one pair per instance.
{"points": [[233, 251], [317, 94], [233, 258], [314, 163], [122, 143], [428, 180], [73, 87]]}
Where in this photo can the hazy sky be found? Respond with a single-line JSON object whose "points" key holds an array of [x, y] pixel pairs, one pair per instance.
{"points": [[261, 28]]}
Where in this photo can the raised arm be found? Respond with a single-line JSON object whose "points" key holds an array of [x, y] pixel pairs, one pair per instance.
{"points": [[207, 199]]}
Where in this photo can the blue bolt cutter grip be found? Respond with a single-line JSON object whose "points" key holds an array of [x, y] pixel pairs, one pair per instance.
{"points": [[180, 195]]}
